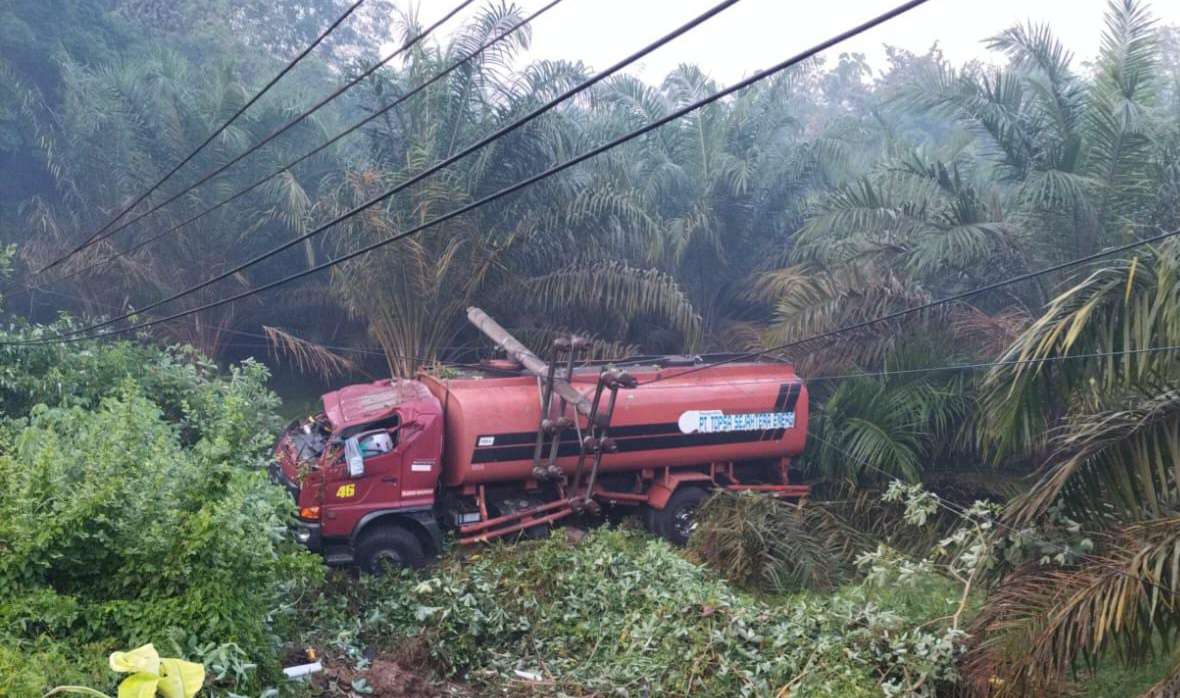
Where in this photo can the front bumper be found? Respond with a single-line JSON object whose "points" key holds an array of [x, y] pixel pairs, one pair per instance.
{"points": [[309, 534]]}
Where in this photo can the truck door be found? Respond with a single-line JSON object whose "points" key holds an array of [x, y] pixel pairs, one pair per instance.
{"points": [[351, 495]]}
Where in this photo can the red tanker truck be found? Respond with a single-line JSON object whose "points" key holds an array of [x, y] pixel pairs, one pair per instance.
{"points": [[516, 445]]}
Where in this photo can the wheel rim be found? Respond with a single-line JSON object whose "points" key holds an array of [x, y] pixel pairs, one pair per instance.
{"points": [[684, 521], [386, 559]]}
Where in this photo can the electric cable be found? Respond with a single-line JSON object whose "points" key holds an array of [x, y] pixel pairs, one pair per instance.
{"points": [[362, 350], [333, 140], [990, 364], [499, 133], [241, 110], [925, 306], [285, 127], [678, 113]]}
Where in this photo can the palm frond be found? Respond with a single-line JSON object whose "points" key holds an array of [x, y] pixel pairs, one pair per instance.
{"points": [[616, 287], [307, 357], [1040, 622], [1117, 125], [762, 543], [1123, 309], [1122, 458]]}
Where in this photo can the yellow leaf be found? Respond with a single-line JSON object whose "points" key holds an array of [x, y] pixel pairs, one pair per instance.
{"points": [[181, 679], [143, 659], [141, 685]]}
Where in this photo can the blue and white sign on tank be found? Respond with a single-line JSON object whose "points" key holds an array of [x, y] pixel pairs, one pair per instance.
{"points": [[716, 421]]}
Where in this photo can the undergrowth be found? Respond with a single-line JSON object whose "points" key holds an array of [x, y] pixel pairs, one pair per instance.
{"points": [[134, 509], [623, 614], [761, 543]]}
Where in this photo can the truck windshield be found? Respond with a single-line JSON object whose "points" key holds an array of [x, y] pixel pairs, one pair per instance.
{"points": [[388, 427], [310, 437]]}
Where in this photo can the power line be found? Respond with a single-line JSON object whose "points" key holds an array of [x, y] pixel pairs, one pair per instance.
{"points": [[499, 133], [241, 110], [756, 77], [281, 130], [269, 344], [298, 119], [333, 140], [990, 364], [926, 306]]}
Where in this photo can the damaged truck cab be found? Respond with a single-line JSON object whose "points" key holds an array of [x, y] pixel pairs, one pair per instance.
{"points": [[512, 447], [364, 473]]}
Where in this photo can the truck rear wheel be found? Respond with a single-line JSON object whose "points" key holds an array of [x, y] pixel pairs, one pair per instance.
{"points": [[388, 547], [651, 519], [676, 521]]}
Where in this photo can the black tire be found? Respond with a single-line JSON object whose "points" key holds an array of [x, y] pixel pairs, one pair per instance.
{"points": [[388, 546], [675, 521], [650, 518]]}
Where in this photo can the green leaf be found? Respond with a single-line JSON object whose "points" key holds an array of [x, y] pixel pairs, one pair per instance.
{"points": [[81, 690], [142, 659], [181, 679], [141, 685]]}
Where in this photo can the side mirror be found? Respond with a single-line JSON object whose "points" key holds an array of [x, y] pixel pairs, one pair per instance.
{"points": [[352, 454]]}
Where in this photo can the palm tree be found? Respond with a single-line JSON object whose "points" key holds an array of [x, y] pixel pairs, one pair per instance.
{"points": [[513, 256], [1108, 424], [119, 128]]}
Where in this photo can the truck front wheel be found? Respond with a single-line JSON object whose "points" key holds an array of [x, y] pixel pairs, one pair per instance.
{"points": [[388, 547], [677, 519]]}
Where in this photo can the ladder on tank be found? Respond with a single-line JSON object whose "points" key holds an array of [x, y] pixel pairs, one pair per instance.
{"points": [[592, 442]]}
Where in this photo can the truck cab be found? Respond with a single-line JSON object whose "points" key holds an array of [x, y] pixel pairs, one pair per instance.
{"points": [[364, 474]]}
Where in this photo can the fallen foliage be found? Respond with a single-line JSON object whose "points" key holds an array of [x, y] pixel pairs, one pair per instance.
{"points": [[623, 614]]}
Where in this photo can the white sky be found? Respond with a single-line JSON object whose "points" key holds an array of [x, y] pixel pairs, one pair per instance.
{"points": [[756, 33]]}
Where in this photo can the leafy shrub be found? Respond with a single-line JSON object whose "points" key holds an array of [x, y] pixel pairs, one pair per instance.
{"points": [[135, 510], [28, 669], [759, 542], [622, 614], [189, 389]]}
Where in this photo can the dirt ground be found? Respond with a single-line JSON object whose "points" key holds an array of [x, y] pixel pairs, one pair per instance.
{"points": [[385, 678], [399, 673]]}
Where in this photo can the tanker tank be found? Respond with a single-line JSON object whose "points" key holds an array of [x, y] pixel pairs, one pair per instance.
{"points": [[731, 413]]}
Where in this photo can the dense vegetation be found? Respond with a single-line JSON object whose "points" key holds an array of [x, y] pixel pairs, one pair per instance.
{"points": [[133, 509], [133, 506], [621, 613]]}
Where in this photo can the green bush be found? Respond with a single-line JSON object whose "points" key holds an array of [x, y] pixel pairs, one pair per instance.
{"points": [[133, 509], [622, 614], [27, 669], [190, 390]]}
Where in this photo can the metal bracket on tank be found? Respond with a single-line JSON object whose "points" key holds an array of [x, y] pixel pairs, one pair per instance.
{"points": [[553, 428], [554, 381], [598, 441]]}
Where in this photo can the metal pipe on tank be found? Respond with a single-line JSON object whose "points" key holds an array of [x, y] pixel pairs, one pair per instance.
{"points": [[522, 355]]}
